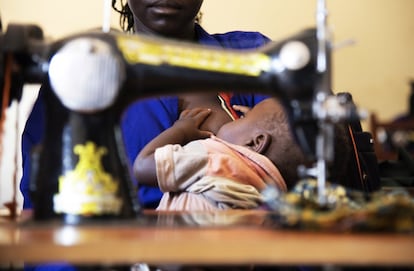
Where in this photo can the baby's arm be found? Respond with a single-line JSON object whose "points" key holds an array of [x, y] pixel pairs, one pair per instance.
{"points": [[184, 130]]}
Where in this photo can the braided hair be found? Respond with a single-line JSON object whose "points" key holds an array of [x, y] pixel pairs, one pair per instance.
{"points": [[126, 18]]}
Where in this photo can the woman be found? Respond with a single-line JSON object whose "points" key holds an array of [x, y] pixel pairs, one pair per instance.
{"points": [[175, 19]]}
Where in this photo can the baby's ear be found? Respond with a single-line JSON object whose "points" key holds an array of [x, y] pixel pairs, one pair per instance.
{"points": [[260, 142]]}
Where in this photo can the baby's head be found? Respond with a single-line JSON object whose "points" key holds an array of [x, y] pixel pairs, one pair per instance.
{"points": [[266, 130]]}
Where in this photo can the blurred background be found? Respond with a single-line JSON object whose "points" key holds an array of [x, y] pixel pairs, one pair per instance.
{"points": [[373, 59]]}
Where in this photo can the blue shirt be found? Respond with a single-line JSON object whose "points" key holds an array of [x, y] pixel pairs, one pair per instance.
{"points": [[155, 114]]}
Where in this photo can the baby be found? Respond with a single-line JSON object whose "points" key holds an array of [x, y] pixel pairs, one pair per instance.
{"points": [[197, 170]]}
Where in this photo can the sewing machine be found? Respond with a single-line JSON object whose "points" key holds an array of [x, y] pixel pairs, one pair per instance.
{"points": [[83, 148]]}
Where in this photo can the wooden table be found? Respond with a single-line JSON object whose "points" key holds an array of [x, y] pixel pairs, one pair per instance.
{"points": [[224, 238]]}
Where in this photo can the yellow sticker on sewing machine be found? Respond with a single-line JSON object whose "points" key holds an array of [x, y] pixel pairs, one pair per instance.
{"points": [[88, 189], [139, 50]]}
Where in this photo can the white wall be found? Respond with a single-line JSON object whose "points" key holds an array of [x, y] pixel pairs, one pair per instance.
{"points": [[376, 70], [10, 158]]}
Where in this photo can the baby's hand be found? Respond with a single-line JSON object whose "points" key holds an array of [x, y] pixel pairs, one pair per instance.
{"points": [[190, 121], [241, 108]]}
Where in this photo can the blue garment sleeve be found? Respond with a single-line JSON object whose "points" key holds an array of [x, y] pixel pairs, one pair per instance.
{"points": [[31, 136], [57, 266]]}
